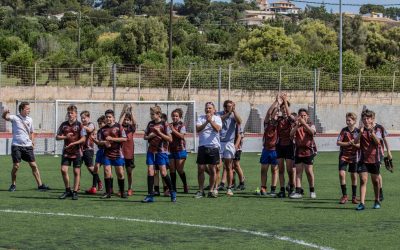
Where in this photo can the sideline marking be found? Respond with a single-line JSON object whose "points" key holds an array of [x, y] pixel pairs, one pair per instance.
{"points": [[229, 229]]}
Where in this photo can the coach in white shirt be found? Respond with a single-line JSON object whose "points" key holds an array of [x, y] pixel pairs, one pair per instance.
{"points": [[208, 127], [22, 144]]}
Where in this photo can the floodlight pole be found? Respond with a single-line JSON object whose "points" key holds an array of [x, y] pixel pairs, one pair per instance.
{"points": [[170, 51], [340, 53]]}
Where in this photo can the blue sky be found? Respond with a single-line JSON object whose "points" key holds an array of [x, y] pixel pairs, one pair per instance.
{"points": [[335, 8]]}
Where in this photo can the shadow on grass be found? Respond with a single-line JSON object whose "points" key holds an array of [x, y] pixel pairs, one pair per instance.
{"points": [[327, 208], [34, 198]]}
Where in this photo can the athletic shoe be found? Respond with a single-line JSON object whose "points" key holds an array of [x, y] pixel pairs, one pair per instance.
{"points": [[12, 188], [74, 196], [173, 196], [271, 194], [354, 200], [124, 195], [344, 199], [281, 194], [229, 192], [199, 195], [313, 195], [360, 207], [156, 193], [263, 192], [100, 186], [43, 187], [381, 197], [186, 189], [91, 190], [65, 195], [148, 199], [241, 187], [167, 193], [295, 196], [106, 196], [221, 187], [377, 205], [212, 194], [130, 192]]}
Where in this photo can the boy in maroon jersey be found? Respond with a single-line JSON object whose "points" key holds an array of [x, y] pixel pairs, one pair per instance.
{"points": [[268, 155], [73, 134], [303, 133], [348, 156], [285, 147], [88, 150], [370, 139], [158, 135], [177, 149], [128, 148], [111, 136], [383, 145], [239, 136]]}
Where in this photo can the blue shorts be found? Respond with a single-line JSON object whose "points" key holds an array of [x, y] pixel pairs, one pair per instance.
{"points": [[100, 156], [269, 157], [178, 155], [119, 162], [160, 159]]}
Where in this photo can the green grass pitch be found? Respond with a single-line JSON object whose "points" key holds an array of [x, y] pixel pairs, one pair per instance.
{"points": [[322, 222]]}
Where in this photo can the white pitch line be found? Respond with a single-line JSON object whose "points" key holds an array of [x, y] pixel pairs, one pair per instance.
{"points": [[228, 229]]}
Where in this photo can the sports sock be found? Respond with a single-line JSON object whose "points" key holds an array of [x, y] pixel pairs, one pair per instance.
{"points": [[121, 185], [298, 190], [312, 189], [112, 183], [107, 182], [168, 182], [354, 190], [183, 178], [96, 179], [273, 188], [380, 191], [173, 179], [68, 190], [282, 189], [156, 188], [150, 183], [165, 188], [344, 189]]}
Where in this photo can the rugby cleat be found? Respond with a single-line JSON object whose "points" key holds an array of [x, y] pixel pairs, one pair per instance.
{"points": [[360, 207], [354, 200], [74, 196], [313, 195], [377, 205], [173, 196], [43, 187], [12, 188], [130, 192], [65, 195], [295, 196], [344, 199], [199, 195], [148, 199]]}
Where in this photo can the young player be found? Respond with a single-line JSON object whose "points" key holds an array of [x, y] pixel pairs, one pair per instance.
{"points": [[177, 149], [382, 146], [158, 135], [156, 192], [73, 134], [88, 151], [303, 133], [111, 136], [22, 144], [128, 122], [285, 147], [268, 155], [208, 157], [348, 156], [369, 138], [230, 120], [239, 136]]}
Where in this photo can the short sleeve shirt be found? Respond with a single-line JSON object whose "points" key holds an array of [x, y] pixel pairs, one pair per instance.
{"points": [[285, 125], [227, 132], [77, 132], [270, 134], [157, 144], [208, 137], [178, 144], [21, 133], [89, 144], [370, 151], [128, 147], [116, 131], [348, 153], [305, 144]]}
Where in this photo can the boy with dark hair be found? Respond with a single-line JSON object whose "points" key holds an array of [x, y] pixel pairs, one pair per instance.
{"points": [[303, 133], [348, 156], [370, 139], [73, 134]]}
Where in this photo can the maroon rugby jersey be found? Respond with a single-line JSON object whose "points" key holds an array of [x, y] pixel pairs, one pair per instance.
{"points": [[77, 131], [177, 143], [128, 147], [285, 125], [89, 144], [370, 151], [270, 135], [157, 144], [304, 141], [348, 153], [116, 131]]}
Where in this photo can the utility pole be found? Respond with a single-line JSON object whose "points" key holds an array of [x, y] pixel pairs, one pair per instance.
{"points": [[340, 53], [170, 51], [79, 35]]}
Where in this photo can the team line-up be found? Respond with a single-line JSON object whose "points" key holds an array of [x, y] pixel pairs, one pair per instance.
{"points": [[288, 142]]}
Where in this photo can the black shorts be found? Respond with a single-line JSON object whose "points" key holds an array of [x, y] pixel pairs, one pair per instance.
{"points": [[308, 160], [237, 155], [207, 155], [285, 152], [130, 163], [76, 162], [19, 153], [88, 157], [352, 166], [372, 168]]}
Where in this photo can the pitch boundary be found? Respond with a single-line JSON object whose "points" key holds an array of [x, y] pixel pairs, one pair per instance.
{"points": [[175, 223]]}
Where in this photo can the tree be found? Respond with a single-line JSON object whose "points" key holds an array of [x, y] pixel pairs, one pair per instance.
{"points": [[354, 34], [369, 8], [20, 60], [266, 43]]}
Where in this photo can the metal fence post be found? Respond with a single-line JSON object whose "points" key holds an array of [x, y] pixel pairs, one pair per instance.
{"points": [[139, 81], [359, 87], [229, 81], [91, 81], [280, 80], [394, 80], [189, 79], [34, 83], [219, 87], [315, 96], [114, 82]]}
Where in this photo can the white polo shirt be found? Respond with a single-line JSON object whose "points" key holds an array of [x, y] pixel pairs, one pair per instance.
{"points": [[20, 131], [208, 137]]}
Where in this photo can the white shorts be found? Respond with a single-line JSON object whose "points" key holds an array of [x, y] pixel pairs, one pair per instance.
{"points": [[227, 150]]}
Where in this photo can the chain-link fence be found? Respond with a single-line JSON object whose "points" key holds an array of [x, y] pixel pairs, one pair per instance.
{"points": [[184, 84]]}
